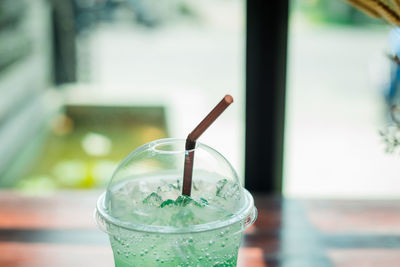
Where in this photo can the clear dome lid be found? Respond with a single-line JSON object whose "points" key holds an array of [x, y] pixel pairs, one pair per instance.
{"points": [[145, 190]]}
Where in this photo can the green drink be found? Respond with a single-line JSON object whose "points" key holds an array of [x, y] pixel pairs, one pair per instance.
{"points": [[150, 223]]}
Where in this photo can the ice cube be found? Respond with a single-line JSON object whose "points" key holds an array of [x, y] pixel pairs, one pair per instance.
{"points": [[168, 202], [184, 217], [177, 186], [183, 201], [169, 189], [153, 200], [203, 202], [220, 186], [211, 213], [167, 186], [227, 190]]}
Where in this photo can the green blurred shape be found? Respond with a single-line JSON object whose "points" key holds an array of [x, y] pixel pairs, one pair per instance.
{"points": [[67, 156], [37, 185], [332, 12]]}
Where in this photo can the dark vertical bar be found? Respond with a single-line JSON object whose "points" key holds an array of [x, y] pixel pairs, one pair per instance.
{"points": [[64, 35], [266, 51]]}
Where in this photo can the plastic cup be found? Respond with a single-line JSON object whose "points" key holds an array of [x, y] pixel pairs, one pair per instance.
{"points": [[144, 232]]}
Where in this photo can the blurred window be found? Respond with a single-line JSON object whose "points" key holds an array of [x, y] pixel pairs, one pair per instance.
{"points": [[338, 76], [126, 72]]}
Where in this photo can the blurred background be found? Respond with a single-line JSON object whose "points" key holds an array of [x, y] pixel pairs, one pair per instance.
{"points": [[85, 82]]}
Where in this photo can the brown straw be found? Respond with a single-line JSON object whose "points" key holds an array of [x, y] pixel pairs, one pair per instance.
{"points": [[192, 138]]}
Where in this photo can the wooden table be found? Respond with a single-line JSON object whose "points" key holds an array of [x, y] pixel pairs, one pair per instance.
{"points": [[58, 230]]}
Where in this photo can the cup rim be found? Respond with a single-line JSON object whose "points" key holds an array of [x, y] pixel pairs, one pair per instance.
{"points": [[247, 214], [165, 141]]}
